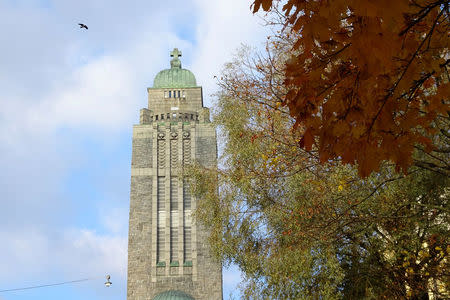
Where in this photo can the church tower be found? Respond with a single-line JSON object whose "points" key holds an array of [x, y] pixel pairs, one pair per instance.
{"points": [[168, 254]]}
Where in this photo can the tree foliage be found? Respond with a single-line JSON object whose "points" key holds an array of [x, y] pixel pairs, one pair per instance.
{"points": [[299, 229], [366, 79]]}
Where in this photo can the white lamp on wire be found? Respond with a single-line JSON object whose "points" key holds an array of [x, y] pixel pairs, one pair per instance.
{"points": [[108, 283]]}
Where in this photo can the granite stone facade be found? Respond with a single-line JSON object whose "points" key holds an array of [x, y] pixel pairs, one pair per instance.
{"points": [[167, 250]]}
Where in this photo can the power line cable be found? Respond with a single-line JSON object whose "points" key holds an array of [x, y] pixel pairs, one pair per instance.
{"points": [[47, 285]]}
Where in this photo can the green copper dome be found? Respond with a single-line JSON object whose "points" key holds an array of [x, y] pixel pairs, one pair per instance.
{"points": [[173, 295], [175, 77]]}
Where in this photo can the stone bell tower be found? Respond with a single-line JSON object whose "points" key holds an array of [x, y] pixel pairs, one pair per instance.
{"points": [[168, 254]]}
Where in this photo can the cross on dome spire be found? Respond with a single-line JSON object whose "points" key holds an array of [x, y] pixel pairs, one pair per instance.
{"points": [[175, 53], [175, 62]]}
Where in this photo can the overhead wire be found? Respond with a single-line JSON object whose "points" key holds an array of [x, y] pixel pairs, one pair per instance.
{"points": [[47, 285]]}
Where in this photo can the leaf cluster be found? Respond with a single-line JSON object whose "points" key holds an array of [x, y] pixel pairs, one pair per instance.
{"points": [[366, 79]]}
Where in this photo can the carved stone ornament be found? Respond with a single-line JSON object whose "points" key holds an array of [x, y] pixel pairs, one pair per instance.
{"points": [[174, 135], [186, 134], [161, 135]]}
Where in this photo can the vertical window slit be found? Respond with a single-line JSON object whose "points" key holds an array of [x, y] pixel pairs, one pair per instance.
{"points": [[161, 219]]}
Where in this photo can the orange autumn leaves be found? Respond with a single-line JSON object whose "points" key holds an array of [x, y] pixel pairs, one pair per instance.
{"points": [[366, 79]]}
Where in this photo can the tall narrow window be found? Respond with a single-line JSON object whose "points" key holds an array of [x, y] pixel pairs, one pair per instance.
{"points": [[174, 236], [178, 94], [184, 95], [161, 193], [187, 232], [173, 193], [187, 244], [174, 224], [170, 94], [186, 196], [160, 244], [165, 94], [161, 209]]}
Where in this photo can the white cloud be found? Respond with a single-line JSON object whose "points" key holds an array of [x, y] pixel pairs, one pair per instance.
{"points": [[57, 78], [116, 221], [223, 27], [91, 253], [25, 250], [75, 253], [99, 94]]}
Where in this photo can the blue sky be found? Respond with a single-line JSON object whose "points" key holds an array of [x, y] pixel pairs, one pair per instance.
{"points": [[69, 98]]}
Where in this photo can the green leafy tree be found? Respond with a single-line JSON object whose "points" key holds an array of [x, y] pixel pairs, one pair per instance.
{"points": [[300, 229]]}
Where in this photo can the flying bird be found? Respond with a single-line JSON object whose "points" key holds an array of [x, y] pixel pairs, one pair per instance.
{"points": [[83, 26]]}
